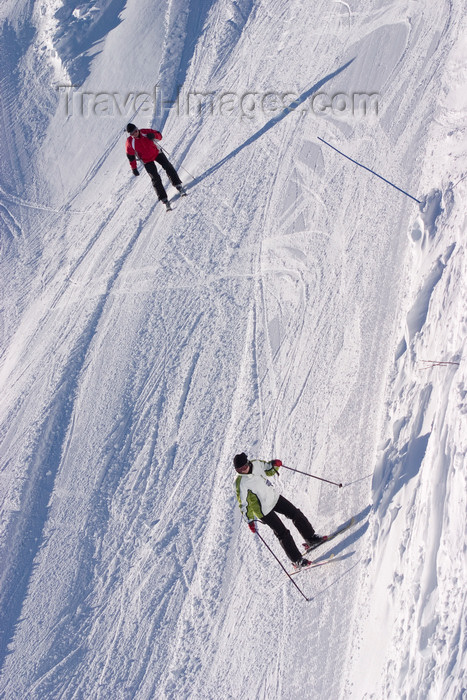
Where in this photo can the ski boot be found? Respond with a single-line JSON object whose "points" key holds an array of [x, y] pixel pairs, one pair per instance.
{"points": [[314, 542], [301, 564]]}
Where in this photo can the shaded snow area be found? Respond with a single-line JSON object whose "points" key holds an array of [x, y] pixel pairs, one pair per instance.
{"points": [[302, 303]]}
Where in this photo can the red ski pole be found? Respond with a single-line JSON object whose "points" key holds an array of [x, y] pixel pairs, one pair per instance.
{"points": [[334, 483], [283, 567]]}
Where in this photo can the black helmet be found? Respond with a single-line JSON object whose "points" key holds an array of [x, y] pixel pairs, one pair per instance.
{"points": [[130, 128], [240, 460]]}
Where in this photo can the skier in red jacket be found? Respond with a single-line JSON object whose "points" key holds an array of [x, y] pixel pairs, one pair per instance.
{"points": [[140, 143]]}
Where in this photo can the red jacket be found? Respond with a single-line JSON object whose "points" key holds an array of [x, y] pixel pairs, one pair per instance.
{"points": [[143, 147]]}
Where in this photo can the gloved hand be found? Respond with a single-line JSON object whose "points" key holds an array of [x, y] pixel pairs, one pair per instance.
{"points": [[252, 526], [135, 172], [276, 463]]}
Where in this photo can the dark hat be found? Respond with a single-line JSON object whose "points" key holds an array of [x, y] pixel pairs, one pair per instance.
{"points": [[240, 460], [130, 128]]}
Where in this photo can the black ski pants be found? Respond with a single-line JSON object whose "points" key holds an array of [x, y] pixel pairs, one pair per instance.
{"points": [[284, 507], [156, 178]]}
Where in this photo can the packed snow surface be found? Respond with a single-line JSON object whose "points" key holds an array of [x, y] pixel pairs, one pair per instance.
{"points": [[302, 303]]}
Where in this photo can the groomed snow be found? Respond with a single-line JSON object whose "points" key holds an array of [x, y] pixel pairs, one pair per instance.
{"points": [[294, 305]]}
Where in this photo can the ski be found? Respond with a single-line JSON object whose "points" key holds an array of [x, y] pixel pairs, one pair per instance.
{"points": [[313, 565], [328, 538], [180, 194]]}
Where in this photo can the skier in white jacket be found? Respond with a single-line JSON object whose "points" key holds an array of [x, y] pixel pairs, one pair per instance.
{"points": [[258, 498]]}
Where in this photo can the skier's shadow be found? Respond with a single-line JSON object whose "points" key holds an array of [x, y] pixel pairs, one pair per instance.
{"points": [[354, 534], [272, 122], [362, 520]]}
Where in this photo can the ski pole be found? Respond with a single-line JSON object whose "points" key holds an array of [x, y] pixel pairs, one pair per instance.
{"points": [[313, 476], [282, 567], [170, 156]]}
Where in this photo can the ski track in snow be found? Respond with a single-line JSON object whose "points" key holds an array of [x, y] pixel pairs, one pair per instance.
{"points": [[285, 308]]}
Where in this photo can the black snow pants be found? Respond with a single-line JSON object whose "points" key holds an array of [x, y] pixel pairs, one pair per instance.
{"points": [[156, 178], [284, 507]]}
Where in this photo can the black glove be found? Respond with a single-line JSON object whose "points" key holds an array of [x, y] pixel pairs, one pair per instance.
{"points": [[135, 172]]}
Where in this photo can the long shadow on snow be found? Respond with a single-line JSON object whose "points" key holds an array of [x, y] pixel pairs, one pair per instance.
{"points": [[272, 123], [352, 536], [342, 545]]}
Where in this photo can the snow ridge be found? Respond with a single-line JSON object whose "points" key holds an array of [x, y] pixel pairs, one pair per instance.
{"points": [[413, 583]]}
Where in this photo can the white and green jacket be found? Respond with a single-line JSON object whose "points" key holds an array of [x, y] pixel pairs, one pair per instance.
{"points": [[255, 494]]}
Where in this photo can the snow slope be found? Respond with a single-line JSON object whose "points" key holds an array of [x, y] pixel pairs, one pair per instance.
{"points": [[414, 582], [141, 350]]}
